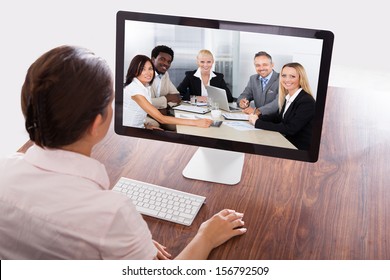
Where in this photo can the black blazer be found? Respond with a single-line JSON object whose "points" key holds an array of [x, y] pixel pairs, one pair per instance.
{"points": [[296, 125], [191, 85]]}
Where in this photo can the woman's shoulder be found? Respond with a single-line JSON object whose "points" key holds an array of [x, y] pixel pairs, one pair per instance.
{"points": [[218, 75], [305, 95], [305, 98], [190, 73], [135, 87]]}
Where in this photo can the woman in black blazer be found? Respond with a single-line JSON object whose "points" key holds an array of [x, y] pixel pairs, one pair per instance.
{"points": [[296, 108], [195, 81]]}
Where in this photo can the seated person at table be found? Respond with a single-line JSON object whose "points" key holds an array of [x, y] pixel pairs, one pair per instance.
{"points": [[163, 93], [162, 90], [137, 99], [55, 201], [195, 82], [296, 108], [262, 87]]}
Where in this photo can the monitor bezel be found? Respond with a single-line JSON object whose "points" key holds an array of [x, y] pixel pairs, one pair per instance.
{"points": [[311, 155]]}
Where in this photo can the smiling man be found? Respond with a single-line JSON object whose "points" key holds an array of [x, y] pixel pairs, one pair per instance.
{"points": [[262, 87], [163, 92]]}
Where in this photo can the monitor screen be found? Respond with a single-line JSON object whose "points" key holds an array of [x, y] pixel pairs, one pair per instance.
{"points": [[233, 45]]}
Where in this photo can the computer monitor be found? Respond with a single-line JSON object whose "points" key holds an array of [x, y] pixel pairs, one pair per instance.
{"points": [[234, 45]]}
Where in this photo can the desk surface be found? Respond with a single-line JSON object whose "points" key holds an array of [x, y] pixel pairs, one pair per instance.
{"points": [[336, 208]]}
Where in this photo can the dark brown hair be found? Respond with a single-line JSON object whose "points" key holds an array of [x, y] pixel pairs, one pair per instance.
{"points": [[64, 90], [136, 66], [262, 53]]}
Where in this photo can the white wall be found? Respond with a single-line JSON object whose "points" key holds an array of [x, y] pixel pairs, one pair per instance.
{"points": [[29, 28], [283, 49]]}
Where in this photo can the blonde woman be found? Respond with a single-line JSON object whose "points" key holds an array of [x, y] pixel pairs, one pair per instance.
{"points": [[296, 108], [195, 82]]}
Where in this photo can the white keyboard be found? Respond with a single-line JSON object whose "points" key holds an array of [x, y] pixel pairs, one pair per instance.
{"points": [[160, 202]]}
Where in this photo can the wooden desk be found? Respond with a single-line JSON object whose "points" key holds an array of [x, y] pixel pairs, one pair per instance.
{"points": [[336, 208]]}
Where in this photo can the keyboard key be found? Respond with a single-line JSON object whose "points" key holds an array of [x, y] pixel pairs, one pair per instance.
{"points": [[146, 211]]}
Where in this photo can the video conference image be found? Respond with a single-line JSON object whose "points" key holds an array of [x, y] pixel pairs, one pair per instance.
{"points": [[243, 86]]}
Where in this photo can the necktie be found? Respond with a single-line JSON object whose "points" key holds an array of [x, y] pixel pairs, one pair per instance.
{"points": [[263, 82]]}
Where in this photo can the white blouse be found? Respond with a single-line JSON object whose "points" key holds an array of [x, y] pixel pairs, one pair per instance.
{"points": [[133, 114], [290, 99], [202, 86], [56, 204]]}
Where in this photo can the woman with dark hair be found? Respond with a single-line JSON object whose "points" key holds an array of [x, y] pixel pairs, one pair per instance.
{"points": [[137, 98], [296, 108], [55, 201]]}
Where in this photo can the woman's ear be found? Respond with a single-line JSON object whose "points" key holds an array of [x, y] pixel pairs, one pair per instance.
{"points": [[95, 127]]}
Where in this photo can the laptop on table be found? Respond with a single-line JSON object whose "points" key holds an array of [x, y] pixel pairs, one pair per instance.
{"points": [[219, 95]]}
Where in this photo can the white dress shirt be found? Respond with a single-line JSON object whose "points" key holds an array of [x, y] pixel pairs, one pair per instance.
{"points": [[199, 75], [157, 81], [289, 99], [56, 204], [160, 88], [133, 114]]}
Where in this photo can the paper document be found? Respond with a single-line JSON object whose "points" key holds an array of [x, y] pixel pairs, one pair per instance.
{"points": [[236, 116], [190, 108], [193, 117], [242, 126]]}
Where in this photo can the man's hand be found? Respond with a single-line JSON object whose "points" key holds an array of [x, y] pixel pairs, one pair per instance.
{"points": [[244, 103], [174, 98]]}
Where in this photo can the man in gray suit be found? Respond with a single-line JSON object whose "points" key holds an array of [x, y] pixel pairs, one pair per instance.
{"points": [[262, 87]]}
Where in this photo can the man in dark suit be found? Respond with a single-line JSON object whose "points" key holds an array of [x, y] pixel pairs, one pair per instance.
{"points": [[262, 87]]}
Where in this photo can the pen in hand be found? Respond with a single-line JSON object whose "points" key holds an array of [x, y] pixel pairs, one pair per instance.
{"points": [[244, 103]]}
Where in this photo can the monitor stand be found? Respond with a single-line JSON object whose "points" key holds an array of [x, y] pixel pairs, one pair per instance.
{"points": [[218, 166]]}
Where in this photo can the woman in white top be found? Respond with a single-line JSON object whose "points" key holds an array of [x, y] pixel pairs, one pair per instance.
{"points": [[54, 199], [137, 99]]}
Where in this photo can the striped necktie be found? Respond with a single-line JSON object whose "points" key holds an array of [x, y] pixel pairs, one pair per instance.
{"points": [[263, 82]]}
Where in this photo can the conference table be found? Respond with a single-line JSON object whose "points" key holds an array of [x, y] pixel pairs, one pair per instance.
{"points": [[232, 130], [336, 208]]}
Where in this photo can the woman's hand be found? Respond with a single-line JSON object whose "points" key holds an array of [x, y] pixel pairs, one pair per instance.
{"points": [[253, 118], [221, 227], [201, 99], [162, 254], [212, 233], [204, 122], [152, 127]]}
